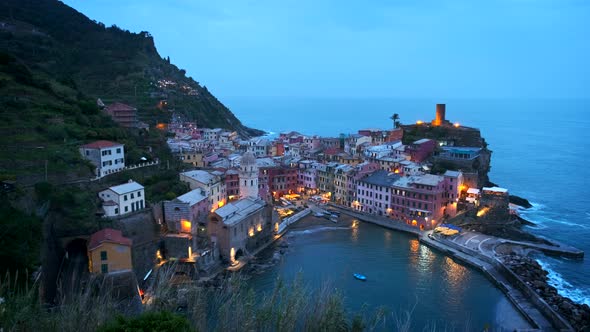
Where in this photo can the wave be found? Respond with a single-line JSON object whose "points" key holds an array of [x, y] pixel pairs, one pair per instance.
{"points": [[563, 287], [540, 217]]}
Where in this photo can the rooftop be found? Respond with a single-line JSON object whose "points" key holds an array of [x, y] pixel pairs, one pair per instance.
{"points": [[126, 187], [461, 149], [108, 235], [422, 141], [114, 107], [235, 212], [453, 174], [426, 179], [200, 176], [101, 145], [192, 197], [381, 178], [265, 162]]}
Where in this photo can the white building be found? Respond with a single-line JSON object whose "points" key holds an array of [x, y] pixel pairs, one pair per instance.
{"points": [[248, 176], [122, 199], [211, 182], [108, 157]]}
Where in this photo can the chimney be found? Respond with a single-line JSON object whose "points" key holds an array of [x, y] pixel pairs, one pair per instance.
{"points": [[440, 115]]}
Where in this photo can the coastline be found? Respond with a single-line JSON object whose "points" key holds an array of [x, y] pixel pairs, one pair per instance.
{"points": [[527, 301]]}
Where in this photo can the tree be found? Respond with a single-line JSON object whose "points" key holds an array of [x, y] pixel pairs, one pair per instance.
{"points": [[395, 118]]}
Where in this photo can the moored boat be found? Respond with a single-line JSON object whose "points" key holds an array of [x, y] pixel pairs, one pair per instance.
{"points": [[359, 276]]}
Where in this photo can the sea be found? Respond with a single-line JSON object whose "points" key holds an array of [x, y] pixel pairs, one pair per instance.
{"points": [[539, 152]]}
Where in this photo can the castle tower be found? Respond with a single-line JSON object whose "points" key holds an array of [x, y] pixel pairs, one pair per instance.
{"points": [[439, 120], [248, 176]]}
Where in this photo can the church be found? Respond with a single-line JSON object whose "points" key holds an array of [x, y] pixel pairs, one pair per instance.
{"points": [[242, 226]]}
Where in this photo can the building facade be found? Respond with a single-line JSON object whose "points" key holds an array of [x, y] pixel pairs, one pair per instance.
{"points": [[248, 176], [211, 182], [122, 199], [109, 251], [240, 227], [107, 156]]}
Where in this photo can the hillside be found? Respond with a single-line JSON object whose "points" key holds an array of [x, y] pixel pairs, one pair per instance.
{"points": [[55, 63]]}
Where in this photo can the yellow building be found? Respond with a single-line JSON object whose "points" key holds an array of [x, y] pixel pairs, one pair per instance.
{"points": [[109, 251], [193, 157]]}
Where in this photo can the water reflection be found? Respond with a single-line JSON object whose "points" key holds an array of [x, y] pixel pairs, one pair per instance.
{"points": [[422, 259], [355, 230], [456, 275], [388, 237]]}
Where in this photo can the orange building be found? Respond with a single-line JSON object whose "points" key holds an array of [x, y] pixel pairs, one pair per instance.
{"points": [[109, 251]]}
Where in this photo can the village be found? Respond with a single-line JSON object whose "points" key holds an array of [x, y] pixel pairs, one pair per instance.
{"points": [[243, 194], [243, 191]]}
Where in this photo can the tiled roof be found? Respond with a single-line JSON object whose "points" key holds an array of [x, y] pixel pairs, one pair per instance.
{"points": [[101, 145], [120, 107], [108, 235]]}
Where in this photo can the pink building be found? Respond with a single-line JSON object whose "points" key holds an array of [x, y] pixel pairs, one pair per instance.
{"points": [[307, 176], [419, 200], [421, 149]]}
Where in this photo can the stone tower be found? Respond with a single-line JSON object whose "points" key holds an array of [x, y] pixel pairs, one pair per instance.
{"points": [[439, 120], [248, 176]]}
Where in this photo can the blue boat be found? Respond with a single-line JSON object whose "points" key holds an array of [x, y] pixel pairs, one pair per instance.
{"points": [[359, 276]]}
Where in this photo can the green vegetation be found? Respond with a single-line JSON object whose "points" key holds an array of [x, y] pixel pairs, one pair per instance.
{"points": [[55, 63], [288, 306], [20, 239], [150, 321]]}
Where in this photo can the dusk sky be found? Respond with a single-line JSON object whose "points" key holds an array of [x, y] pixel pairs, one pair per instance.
{"points": [[405, 48]]}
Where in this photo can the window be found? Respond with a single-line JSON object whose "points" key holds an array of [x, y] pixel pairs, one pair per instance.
{"points": [[126, 208], [139, 194], [116, 210], [132, 196], [124, 197], [87, 152], [103, 255], [118, 150], [104, 268]]}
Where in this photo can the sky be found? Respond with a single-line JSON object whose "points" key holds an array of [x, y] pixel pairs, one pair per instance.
{"points": [[366, 49]]}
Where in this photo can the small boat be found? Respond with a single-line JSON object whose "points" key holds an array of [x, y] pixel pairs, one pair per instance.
{"points": [[359, 276], [318, 214]]}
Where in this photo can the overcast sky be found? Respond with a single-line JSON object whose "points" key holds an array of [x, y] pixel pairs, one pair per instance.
{"points": [[396, 48]]}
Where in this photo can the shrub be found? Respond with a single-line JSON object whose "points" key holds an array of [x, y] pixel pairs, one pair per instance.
{"points": [[151, 321]]}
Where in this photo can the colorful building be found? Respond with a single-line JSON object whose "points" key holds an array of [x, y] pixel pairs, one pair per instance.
{"points": [[421, 149], [109, 251]]}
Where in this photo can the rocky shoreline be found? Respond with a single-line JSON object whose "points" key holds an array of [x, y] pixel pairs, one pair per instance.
{"points": [[529, 270]]}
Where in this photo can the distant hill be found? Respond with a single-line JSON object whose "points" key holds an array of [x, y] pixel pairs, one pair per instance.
{"points": [[55, 62]]}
